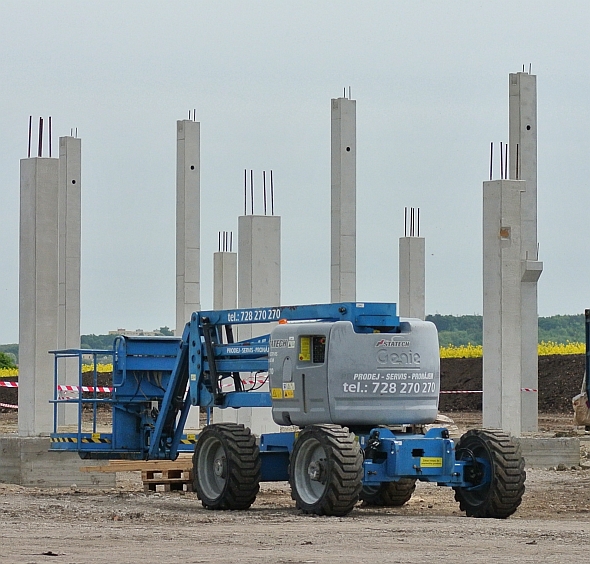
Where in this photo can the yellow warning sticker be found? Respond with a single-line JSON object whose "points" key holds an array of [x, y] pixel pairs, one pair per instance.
{"points": [[431, 462], [95, 436], [289, 394], [276, 393], [305, 348], [191, 437]]}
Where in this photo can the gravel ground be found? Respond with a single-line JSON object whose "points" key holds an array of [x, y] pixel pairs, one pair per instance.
{"points": [[124, 524]]}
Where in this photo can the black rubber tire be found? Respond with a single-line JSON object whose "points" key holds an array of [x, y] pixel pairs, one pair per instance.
{"points": [[389, 494], [325, 470], [503, 494], [226, 467]]}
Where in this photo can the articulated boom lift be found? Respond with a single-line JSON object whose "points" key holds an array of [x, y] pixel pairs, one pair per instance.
{"points": [[352, 384]]}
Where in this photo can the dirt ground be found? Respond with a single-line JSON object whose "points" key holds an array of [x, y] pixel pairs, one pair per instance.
{"points": [[124, 524]]}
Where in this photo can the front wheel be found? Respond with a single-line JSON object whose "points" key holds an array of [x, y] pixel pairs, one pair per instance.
{"points": [[226, 467], [325, 470], [496, 470]]}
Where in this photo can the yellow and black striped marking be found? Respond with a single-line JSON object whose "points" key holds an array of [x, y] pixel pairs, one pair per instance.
{"points": [[188, 441]]}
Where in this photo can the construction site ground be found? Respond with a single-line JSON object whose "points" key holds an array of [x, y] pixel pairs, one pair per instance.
{"points": [[124, 524]]}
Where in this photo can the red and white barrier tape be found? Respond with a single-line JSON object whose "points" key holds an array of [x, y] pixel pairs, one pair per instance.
{"points": [[481, 392], [63, 388], [106, 389], [461, 392], [9, 405], [5, 384]]}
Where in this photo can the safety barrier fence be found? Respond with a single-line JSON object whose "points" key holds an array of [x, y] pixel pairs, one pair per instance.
{"points": [[106, 389]]}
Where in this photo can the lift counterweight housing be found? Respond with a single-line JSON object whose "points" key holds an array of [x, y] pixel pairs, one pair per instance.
{"points": [[359, 382]]}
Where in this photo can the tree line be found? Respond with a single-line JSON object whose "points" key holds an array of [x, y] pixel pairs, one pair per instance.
{"points": [[464, 329]]}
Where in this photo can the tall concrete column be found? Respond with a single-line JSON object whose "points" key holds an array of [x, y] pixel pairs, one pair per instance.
{"points": [[412, 277], [502, 304], [188, 231], [188, 222], [225, 296], [69, 235], [38, 293], [343, 200], [523, 141], [259, 285]]}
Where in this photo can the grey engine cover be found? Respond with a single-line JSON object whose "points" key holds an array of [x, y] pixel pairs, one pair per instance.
{"points": [[326, 373]]}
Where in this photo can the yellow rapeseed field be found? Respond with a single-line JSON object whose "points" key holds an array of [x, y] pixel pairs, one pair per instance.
{"points": [[545, 348]]}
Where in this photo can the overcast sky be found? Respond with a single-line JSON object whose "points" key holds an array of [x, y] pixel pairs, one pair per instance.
{"points": [[431, 84]]}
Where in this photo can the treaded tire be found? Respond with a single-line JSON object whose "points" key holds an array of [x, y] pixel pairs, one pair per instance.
{"points": [[502, 495], [226, 467], [389, 494], [325, 470]]}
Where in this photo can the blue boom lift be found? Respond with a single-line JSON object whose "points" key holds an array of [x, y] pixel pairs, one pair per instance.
{"points": [[355, 387]]}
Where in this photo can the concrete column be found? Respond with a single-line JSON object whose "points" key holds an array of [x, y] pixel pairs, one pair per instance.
{"points": [[38, 293], [502, 337], [412, 277], [343, 201], [188, 230], [259, 285], [523, 134], [188, 222], [225, 280], [225, 296], [69, 234]]}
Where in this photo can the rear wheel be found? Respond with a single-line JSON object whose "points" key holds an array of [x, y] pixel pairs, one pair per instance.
{"points": [[226, 467], [325, 470], [496, 472], [389, 494]]}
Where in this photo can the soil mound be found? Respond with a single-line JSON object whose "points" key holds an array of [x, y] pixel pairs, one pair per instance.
{"points": [[560, 379]]}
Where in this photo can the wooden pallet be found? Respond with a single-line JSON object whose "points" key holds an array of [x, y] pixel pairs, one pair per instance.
{"points": [[183, 462], [167, 480], [157, 475]]}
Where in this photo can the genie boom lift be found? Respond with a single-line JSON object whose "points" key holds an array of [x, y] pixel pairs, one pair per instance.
{"points": [[354, 387]]}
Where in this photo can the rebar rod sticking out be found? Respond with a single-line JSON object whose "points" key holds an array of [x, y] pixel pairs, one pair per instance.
{"points": [[501, 161], [49, 136], [405, 222], [245, 189], [30, 126], [272, 196], [491, 159], [264, 188], [506, 163], [40, 148], [252, 190]]}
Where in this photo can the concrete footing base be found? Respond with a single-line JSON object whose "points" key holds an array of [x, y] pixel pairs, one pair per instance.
{"points": [[27, 461], [550, 452]]}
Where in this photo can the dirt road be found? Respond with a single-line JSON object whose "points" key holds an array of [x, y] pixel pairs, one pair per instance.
{"points": [[126, 525]]}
